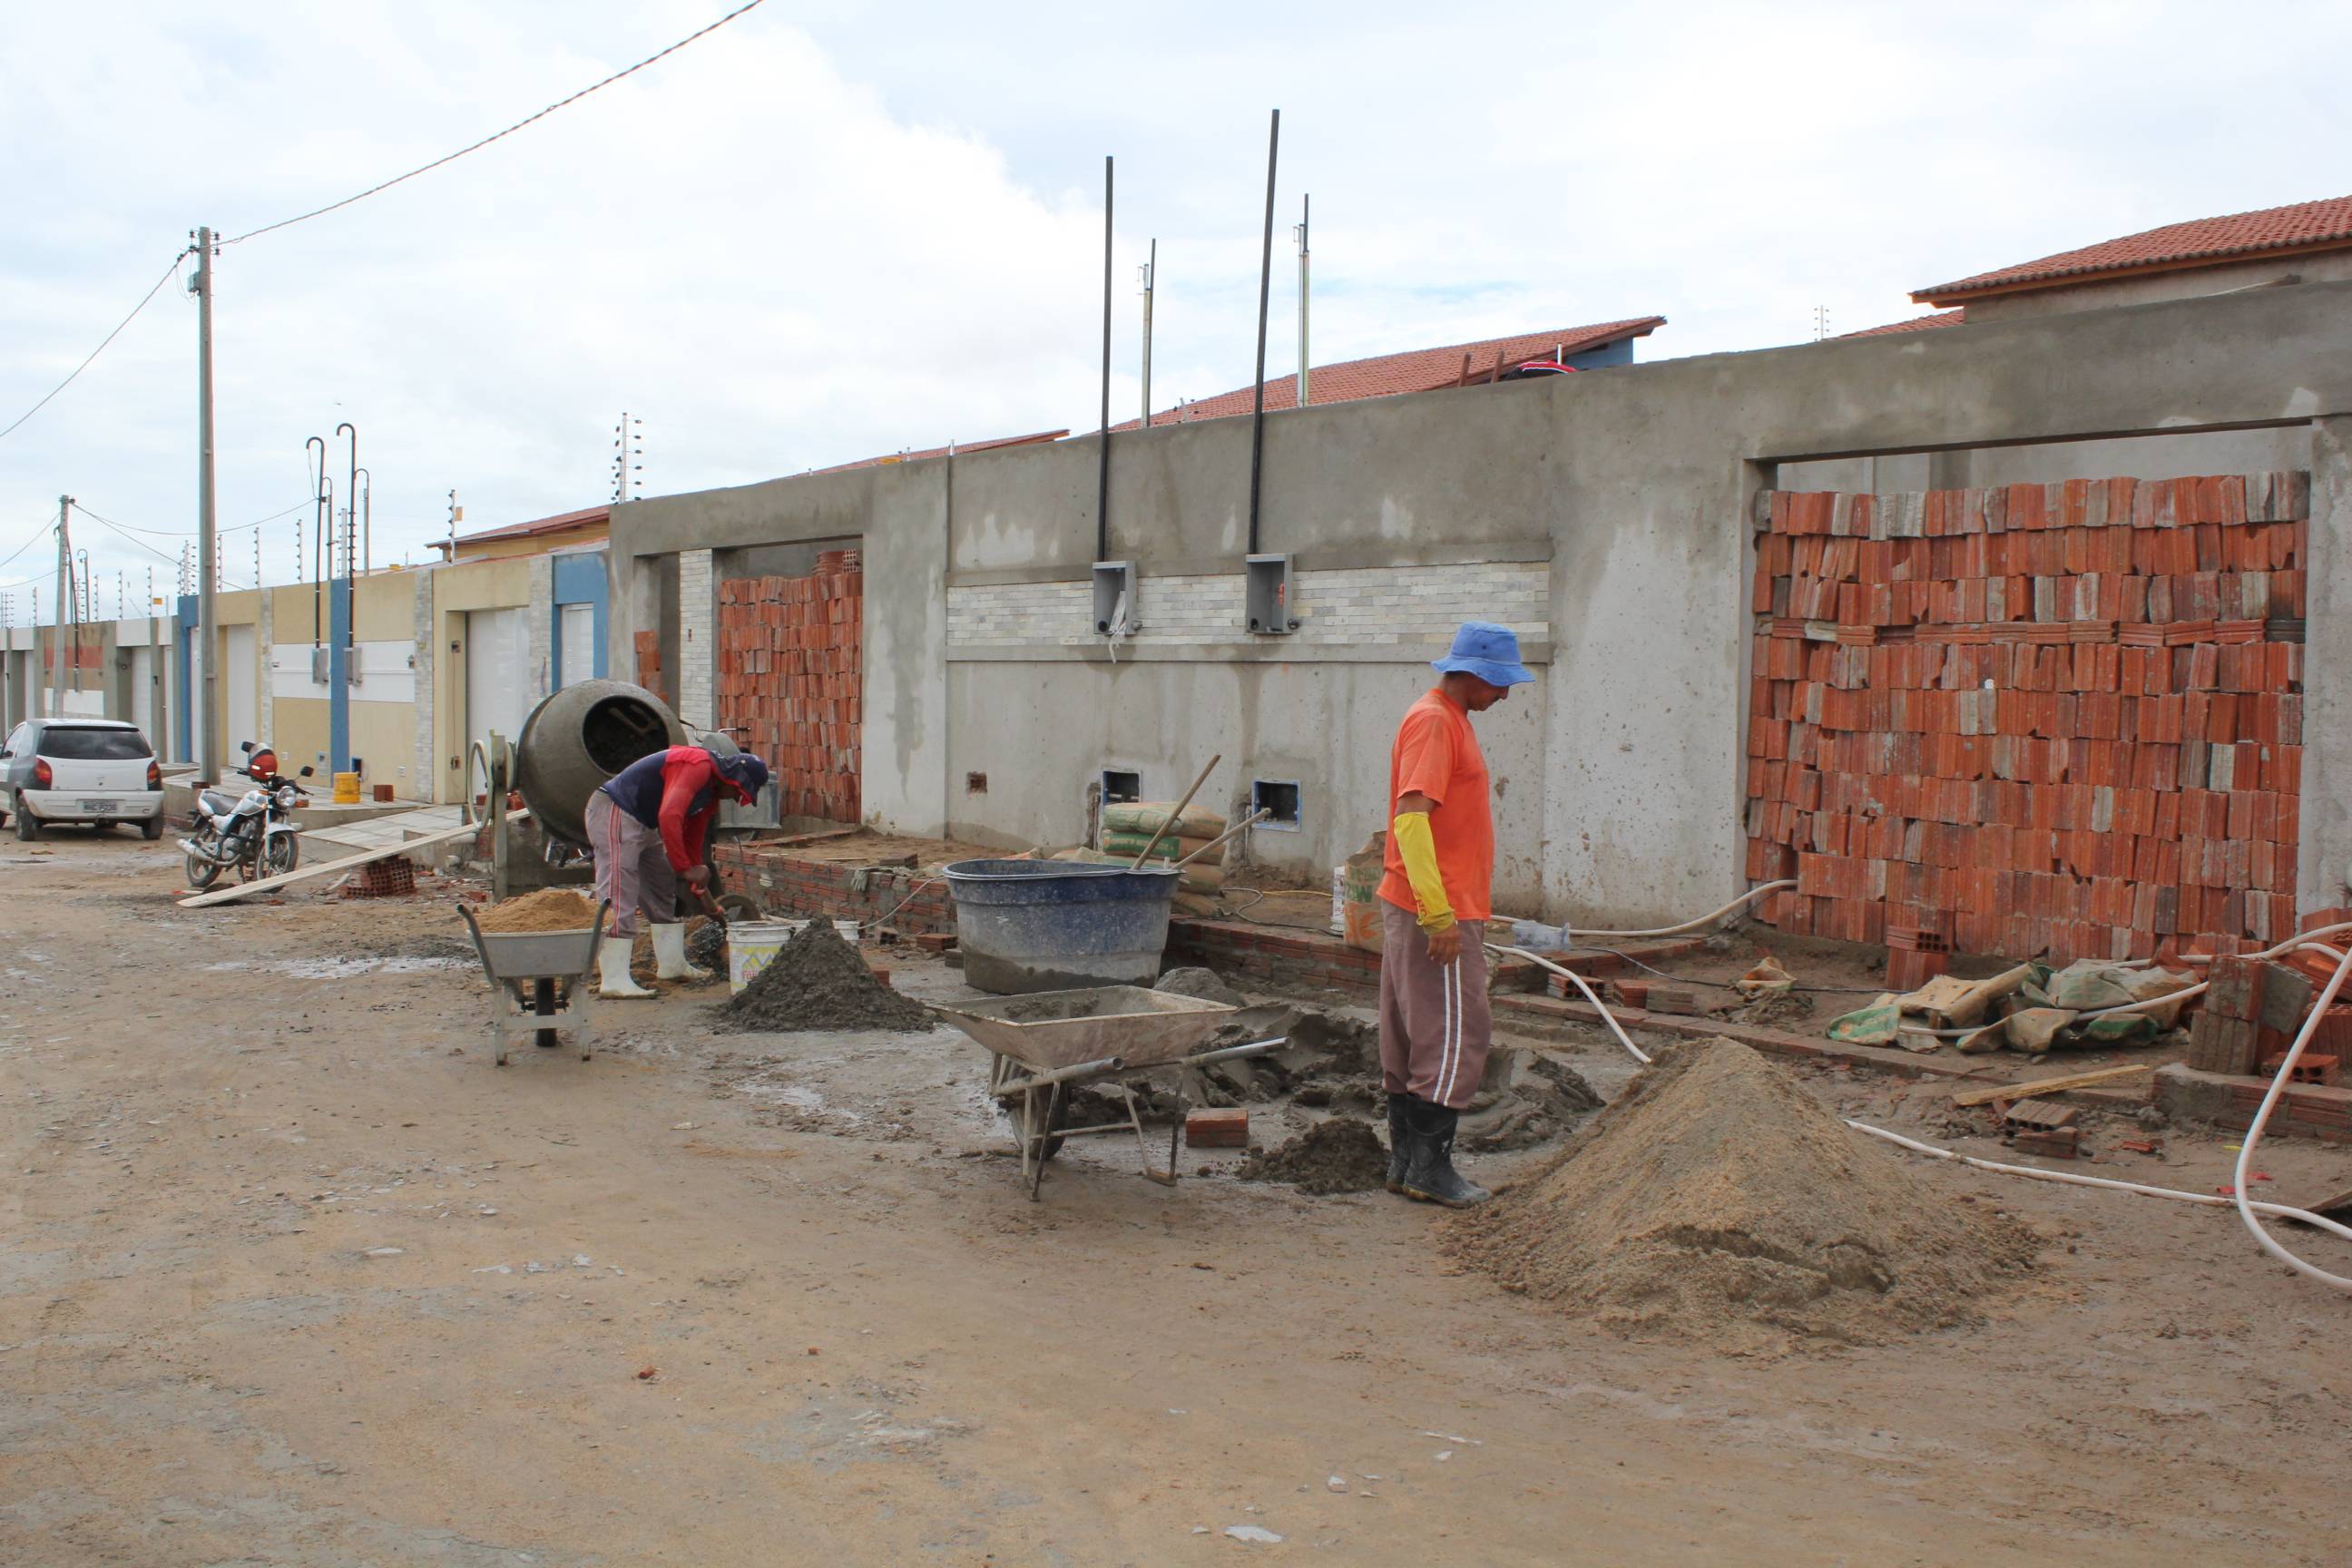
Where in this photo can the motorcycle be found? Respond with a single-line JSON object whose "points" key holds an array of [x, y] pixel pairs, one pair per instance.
{"points": [[254, 832]]}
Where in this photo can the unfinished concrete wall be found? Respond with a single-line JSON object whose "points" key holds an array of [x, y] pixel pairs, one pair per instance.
{"points": [[1632, 490]]}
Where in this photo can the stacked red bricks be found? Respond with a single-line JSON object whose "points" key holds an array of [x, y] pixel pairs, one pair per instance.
{"points": [[2061, 721], [789, 675]]}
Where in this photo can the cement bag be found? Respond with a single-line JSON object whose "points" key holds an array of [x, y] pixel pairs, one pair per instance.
{"points": [[1361, 893], [1127, 845], [1144, 818], [1876, 1024]]}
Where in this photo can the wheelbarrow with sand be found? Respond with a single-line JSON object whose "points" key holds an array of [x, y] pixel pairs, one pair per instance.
{"points": [[540, 982], [1045, 1046]]}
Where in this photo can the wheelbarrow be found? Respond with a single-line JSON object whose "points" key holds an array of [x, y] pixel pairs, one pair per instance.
{"points": [[1042, 1047], [540, 982]]}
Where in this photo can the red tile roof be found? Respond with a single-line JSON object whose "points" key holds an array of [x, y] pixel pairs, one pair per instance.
{"points": [[2306, 225], [960, 449], [555, 524], [1916, 325], [1419, 370]]}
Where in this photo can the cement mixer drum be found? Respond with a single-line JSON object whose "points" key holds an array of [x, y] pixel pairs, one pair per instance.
{"points": [[578, 738]]}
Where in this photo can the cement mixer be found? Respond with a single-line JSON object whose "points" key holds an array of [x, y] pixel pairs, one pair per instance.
{"points": [[577, 738]]}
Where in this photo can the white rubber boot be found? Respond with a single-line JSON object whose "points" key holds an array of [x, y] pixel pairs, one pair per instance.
{"points": [[669, 954], [612, 969]]}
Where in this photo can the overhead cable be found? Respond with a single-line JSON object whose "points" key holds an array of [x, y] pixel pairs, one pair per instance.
{"points": [[109, 337], [477, 146], [36, 534]]}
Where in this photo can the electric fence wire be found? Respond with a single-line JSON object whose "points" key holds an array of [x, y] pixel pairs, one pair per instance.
{"points": [[85, 365], [518, 125]]}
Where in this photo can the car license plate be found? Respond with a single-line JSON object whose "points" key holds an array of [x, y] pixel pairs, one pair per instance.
{"points": [[99, 805]]}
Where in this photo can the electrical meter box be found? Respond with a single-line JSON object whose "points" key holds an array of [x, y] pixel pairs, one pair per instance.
{"points": [[1270, 610], [1114, 598]]}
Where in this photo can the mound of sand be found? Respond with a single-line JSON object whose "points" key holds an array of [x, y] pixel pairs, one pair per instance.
{"points": [[1717, 1200], [816, 980], [550, 909], [1341, 1155]]}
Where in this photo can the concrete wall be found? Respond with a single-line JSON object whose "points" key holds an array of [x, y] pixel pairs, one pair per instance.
{"points": [[1622, 778]]}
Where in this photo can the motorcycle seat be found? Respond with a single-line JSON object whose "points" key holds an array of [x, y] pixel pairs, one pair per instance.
{"points": [[218, 803]]}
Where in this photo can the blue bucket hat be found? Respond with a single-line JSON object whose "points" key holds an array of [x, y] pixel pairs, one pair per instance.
{"points": [[744, 771], [1487, 652]]}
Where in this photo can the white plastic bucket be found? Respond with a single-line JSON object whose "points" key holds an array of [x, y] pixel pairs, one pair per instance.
{"points": [[753, 945]]}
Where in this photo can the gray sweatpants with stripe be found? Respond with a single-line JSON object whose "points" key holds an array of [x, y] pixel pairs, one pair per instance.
{"points": [[1436, 1024], [632, 870]]}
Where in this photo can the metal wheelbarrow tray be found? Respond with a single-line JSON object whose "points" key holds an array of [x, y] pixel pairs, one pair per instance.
{"points": [[1042, 1046], [545, 974]]}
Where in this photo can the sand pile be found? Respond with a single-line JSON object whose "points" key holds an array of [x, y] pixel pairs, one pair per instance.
{"points": [[1341, 1155], [550, 909], [818, 982], [1718, 1201]]}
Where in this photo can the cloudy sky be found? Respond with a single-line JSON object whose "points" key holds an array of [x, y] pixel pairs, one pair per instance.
{"points": [[837, 228]]}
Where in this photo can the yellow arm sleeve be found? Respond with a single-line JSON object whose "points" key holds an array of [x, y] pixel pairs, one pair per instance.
{"points": [[1419, 851]]}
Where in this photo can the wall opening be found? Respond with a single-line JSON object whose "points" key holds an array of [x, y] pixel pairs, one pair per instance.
{"points": [[1279, 797], [1120, 787]]}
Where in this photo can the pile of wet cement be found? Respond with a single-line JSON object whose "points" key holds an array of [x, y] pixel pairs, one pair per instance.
{"points": [[706, 945], [1341, 1155], [550, 909], [1718, 1201], [1203, 984], [817, 981]]}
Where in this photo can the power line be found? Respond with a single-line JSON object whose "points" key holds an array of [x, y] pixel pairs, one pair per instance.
{"points": [[28, 542], [84, 365], [518, 125], [133, 539], [190, 532]]}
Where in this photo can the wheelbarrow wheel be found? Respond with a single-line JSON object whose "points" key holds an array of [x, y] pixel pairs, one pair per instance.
{"points": [[543, 1002]]}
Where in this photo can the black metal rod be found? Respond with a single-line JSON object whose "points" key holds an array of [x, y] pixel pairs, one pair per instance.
{"points": [[1102, 467], [1265, 286]]}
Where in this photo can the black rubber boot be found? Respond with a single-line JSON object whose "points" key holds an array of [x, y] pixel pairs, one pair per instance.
{"points": [[1429, 1175], [1400, 1140]]}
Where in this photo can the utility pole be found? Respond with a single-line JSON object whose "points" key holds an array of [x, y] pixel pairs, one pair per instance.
{"points": [[58, 634], [207, 715], [1303, 202], [1151, 279]]}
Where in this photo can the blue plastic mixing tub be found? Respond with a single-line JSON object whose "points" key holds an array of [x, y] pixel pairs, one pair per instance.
{"points": [[1053, 925]]}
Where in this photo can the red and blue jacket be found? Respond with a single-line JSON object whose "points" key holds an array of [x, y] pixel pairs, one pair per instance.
{"points": [[680, 790]]}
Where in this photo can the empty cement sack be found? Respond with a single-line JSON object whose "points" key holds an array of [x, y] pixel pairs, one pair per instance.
{"points": [[1716, 1201]]}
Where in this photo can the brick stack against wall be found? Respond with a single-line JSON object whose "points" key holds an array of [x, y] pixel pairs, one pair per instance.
{"points": [[789, 679], [2065, 719]]}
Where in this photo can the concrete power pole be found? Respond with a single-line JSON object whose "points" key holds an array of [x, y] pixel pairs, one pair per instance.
{"points": [[58, 636], [208, 714], [1150, 281]]}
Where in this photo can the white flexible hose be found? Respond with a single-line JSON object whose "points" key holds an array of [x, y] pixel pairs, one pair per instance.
{"points": [[2248, 1210], [1749, 897]]}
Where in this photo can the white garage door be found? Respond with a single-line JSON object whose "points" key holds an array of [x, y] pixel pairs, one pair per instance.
{"points": [[238, 677], [497, 657], [143, 690], [579, 632]]}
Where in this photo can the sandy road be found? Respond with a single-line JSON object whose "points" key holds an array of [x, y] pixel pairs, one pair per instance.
{"points": [[870, 1348]]}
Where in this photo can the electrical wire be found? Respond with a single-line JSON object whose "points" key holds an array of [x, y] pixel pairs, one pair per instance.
{"points": [[193, 533], [168, 560], [37, 533], [109, 337], [477, 146]]}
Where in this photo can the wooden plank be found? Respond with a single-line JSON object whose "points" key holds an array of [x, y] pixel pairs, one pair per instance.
{"points": [[245, 890], [2048, 1085]]}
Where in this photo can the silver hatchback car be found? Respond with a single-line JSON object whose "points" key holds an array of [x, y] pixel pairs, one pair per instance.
{"points": [[97, 771]]}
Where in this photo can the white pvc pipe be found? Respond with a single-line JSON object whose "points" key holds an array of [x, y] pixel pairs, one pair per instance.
{"points": [[2246, 1211]]}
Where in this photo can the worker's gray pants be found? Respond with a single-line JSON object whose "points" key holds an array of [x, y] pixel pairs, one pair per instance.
{"points": [[633, 869], [1436, 1024]]}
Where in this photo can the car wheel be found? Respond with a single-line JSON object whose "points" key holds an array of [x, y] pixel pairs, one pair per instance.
{"points": [[153, 829], [27, 828]]}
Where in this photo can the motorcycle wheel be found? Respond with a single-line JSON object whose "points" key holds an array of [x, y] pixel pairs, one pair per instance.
{"points": [[201, 873], [281, 854]]}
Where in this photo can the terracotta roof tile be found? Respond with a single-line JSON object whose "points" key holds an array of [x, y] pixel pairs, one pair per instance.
{"points": [[1418, 370], [2303, 225], [1916, 325], [555, 524]]}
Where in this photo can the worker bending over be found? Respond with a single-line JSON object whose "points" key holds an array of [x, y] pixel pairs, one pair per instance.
{"points": [[1435, 1022], [647, 828]]}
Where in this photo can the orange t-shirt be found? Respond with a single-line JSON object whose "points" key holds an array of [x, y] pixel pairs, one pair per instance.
{"points": [[1437, 756]]}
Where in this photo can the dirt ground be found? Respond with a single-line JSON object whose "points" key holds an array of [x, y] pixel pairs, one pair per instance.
{"points": [[291, 1273]]}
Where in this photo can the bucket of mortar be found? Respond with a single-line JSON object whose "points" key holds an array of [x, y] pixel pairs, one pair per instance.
{"points": [[753, 945], [1054, 925], [578, 738]]}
